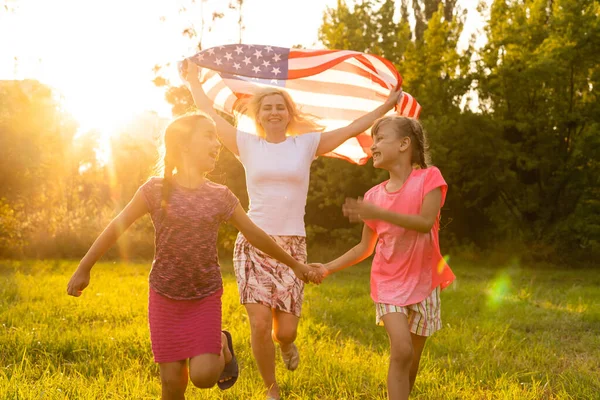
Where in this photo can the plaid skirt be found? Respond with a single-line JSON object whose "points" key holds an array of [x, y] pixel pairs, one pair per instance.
{"points": [[264, 280]]}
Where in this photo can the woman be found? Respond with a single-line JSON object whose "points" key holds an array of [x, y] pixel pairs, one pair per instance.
{"points": [[277, 163]]}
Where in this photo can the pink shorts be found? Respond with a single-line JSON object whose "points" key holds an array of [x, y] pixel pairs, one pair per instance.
{"points": [[182, 329], [264, 280]]}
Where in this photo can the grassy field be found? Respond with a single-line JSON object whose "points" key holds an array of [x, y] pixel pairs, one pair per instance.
{"points": [[510, 332]]}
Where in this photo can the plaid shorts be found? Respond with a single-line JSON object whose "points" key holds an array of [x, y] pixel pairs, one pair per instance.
{"points": [[424, 318]]}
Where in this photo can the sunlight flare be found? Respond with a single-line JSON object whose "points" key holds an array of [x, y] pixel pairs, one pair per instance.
{"points": [[499, 290]]}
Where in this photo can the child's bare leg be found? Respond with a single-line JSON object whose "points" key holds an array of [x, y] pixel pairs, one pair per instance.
{"points": [[418, 343], [173, 379], [401, 355], [205, 369]]}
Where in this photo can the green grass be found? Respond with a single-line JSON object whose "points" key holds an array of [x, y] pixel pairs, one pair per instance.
{"points": [[510, 332]]}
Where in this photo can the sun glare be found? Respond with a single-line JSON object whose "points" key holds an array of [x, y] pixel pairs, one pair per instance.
{"points": [[97, 111]]}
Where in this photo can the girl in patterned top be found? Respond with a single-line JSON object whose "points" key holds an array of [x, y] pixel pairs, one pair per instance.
{"points": [[184, 307]]}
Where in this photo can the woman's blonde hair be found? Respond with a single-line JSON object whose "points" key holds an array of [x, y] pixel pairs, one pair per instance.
{"points": [[299, 122]]}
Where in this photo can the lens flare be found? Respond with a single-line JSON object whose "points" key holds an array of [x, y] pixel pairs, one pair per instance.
{"points": [[442, 264], [499, 290]]}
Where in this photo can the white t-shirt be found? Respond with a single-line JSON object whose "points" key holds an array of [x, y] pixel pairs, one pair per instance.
{"points": [[277, 176]]}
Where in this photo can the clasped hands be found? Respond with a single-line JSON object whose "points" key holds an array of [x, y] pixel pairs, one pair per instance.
{"points": [[356, 210], [312, 273]]}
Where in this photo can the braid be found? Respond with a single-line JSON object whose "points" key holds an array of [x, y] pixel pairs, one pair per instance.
{"points": [[166, 188], [421, 149]]}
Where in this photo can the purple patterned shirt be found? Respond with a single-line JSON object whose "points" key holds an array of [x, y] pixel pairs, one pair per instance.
{"points": [[186, 265]]}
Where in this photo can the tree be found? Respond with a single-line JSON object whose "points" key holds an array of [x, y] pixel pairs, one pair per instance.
{"points": [[35, 137], [423, 11], [237, 6], [536, 80]]}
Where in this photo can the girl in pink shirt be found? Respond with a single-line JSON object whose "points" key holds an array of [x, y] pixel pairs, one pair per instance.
{"points": [[401, 217], [184, 304]]}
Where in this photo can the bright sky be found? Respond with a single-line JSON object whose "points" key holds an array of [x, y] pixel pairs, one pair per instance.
{"points": [[100, 54]]}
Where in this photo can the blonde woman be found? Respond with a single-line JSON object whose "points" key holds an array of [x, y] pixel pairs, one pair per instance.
{"points": [[277, 162]]}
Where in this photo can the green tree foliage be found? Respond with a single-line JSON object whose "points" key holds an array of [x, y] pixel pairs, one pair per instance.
{"points": [[56, 196], [536, 79], [34, 136], [514, 127]]}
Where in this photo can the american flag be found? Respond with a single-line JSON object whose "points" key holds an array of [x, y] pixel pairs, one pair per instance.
{"points": [[336, 86]]}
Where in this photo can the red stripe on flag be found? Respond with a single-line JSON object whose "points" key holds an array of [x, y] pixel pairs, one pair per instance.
{"points": [[365, 141], [310, 53], [359, 161], [366, 62]]}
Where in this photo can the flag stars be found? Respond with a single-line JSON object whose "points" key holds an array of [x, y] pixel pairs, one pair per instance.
{"points": [[200, 57], [276, 57], [256, 69], [236, 66], [247, 60], [228, 56], [239, 50], [258, 54], [266, 63], [276, 71], [268, 49], [218, 61], [211, 51]]}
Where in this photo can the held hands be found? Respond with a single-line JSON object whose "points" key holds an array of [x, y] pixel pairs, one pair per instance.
{"points": [[318, 272], [358, 210], [79, 281], [311, 273]]}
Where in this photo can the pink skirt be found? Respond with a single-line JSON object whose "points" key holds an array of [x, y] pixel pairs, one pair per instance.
{"points": [[182, 329]]}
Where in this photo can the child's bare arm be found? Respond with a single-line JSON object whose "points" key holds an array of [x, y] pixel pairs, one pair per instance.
{"points": [[262, 241], [358, 210], [356, 254], [136, 208]]}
